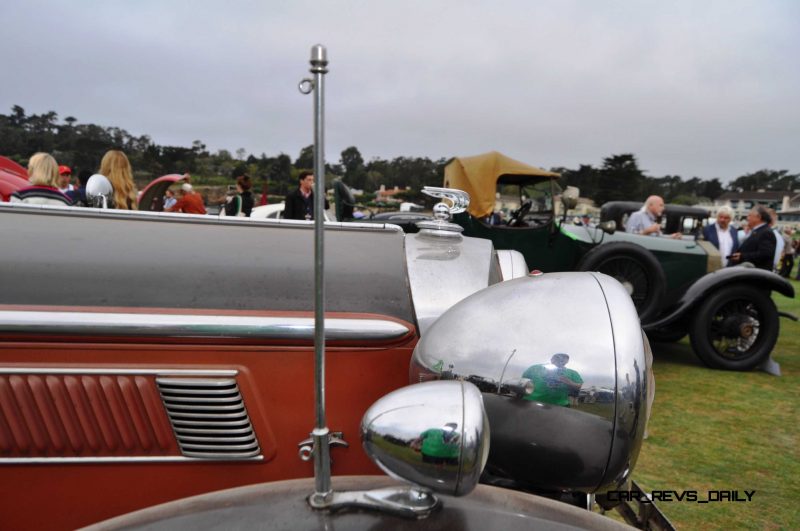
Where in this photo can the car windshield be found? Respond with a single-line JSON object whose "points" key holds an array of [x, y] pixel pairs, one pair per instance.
{"points": [[511, 196]]}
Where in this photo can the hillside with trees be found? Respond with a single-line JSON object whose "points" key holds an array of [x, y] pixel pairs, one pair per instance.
{"points": [[81, 146]]}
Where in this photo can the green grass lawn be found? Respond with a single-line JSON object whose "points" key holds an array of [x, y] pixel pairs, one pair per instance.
{"points": [[720, 430]]}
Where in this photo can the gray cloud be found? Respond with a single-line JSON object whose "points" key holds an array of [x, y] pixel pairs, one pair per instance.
{"points": [[692, 88]]}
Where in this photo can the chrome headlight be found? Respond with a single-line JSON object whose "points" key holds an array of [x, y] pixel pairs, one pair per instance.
{"points": [[560, 360], [434, 434]]}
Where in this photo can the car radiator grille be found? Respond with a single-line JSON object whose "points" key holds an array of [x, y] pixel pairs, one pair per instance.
{"points": [[209, 417]]}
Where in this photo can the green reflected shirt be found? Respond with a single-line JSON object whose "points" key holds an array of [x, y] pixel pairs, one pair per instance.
{"points": [[434, 444], [547, 386]]}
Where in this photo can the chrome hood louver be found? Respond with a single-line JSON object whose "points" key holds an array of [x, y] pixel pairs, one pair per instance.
{"points": [[209, 417]]}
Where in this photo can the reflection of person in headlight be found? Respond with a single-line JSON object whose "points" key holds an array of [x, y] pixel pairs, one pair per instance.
{"points": [[439, 446], [553, 383]]}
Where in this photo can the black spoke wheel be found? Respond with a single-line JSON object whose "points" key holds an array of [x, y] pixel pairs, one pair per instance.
{"points": [[735, 328], [636, 269]]}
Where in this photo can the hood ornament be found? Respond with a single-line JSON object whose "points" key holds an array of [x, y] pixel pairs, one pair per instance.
{"points": [[440, 226]]}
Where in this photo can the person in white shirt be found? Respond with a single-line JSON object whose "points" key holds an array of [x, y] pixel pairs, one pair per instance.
{"points": [[722, 235]]}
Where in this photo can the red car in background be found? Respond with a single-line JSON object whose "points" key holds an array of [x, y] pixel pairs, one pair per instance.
{"points": [[13, 177]]}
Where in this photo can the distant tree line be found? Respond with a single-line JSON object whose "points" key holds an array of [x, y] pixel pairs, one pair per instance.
{"points": [[620, 178], [81, 146]]}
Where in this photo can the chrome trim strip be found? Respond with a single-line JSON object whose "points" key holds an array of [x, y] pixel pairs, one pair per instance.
{"points": [[195, 326], [179, 424], [143, 372], [199, 400], [221, 392], [224, 385], [190, 409], [189, 431], [224, 449], [187, 415], [172, 217], [119, 460]]}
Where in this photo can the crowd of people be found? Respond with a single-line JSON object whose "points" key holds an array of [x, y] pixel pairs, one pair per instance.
{"points": [[758, 240], [51, 184]]}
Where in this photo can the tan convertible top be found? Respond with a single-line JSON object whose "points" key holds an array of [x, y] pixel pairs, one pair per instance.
{"points": [[478, 177]]}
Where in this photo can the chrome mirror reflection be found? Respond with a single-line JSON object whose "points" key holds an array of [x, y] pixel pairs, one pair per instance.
{"points": [[459, 200], [434, 434], [567, 407], [99, 191]]}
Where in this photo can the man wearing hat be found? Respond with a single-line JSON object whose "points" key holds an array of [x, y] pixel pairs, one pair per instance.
{"points": [[189, 202], [64, 176]]}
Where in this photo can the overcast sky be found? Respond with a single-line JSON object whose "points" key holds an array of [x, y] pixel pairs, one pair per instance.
{"points": [[692, 88]]}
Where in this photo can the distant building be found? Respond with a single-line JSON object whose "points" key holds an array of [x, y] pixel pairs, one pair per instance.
{"points": [[789, 216], [743, 202], [388, 196], [584, 206]]}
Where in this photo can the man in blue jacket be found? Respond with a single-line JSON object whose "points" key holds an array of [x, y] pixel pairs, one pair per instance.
{"points": [[722, 234]]}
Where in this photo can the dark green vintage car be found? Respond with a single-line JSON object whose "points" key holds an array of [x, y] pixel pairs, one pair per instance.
{"points": [[678, 285]]}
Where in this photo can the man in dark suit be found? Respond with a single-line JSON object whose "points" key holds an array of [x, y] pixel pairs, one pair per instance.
{"points": [[759, 247], [722, 235], [299, 204]]}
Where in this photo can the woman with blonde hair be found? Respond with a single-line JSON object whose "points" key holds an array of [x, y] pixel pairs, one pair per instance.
{"points": [[43, 176], [117, 169]]}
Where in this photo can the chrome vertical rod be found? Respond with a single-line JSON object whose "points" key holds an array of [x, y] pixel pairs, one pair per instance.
{"points": [[321, 435]]}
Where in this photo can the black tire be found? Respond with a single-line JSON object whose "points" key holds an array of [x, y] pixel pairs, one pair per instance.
{"points": [[635, 268], [735, 328]]}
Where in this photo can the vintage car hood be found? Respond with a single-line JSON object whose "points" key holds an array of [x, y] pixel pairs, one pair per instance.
{"points": [[282, 505], [443, 271], [145, 259], [478, 177], [163, 260]]}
